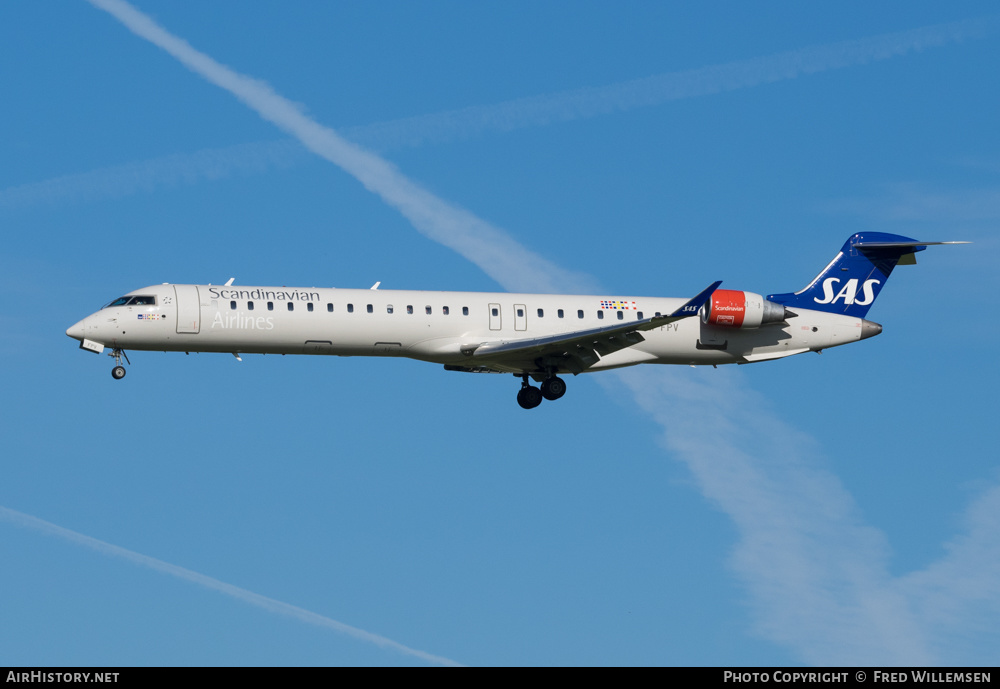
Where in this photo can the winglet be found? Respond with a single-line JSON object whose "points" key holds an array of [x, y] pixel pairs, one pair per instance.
{"points": [[691, 308]]}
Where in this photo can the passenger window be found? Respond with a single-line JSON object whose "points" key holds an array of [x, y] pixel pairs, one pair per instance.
{"points": [[329, 307], [600, 315], [350, 308], [445, 310], [249, 306], [639, 315], [465, 310], [541, 313], [309, 307], [520, 313], [388, 309], [559, 313], [496, 312], [427, 310], [291, 306], [409, 308], [370, 309], [232, 305], [579, 314], [270, 306], [621, 315]]}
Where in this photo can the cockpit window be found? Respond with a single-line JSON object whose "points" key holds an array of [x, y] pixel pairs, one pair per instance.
{"points": [[143, 300]]}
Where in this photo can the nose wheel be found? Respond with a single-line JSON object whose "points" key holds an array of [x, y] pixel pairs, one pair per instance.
{"points": [[530, 397], [118, 372]]}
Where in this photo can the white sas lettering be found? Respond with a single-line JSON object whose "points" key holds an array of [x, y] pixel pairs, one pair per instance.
{"points": [[848, 292], [827, 291], [869, 292]]}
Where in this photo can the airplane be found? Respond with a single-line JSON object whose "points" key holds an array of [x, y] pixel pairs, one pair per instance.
{"points": [[535, 337]]}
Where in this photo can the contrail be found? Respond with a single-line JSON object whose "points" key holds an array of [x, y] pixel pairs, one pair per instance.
{"points": [[269, 604], [958, 597], [533, 111], [490, 248], [585, 103], [166, 171], [916, 203], [817, 575]]}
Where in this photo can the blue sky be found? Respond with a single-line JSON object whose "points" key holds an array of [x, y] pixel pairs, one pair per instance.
{"points": [[842, 508]]}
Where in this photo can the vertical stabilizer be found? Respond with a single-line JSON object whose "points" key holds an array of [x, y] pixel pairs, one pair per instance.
{"points": [[856, 275]]}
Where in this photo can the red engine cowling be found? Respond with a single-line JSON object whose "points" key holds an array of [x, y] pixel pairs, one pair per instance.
{"points": [[731, 308]]}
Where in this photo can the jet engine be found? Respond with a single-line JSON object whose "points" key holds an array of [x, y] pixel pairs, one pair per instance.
{"points": [[731, 308]]}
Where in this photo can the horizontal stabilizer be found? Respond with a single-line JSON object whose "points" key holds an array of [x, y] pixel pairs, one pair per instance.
{"points": [[899, 245]]}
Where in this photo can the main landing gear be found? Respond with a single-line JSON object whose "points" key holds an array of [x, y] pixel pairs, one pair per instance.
{"points": [[118, 372], [530, 397]]}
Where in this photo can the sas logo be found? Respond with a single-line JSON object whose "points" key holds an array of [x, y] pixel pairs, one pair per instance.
{"points": [[848, 293], [149, 316]]}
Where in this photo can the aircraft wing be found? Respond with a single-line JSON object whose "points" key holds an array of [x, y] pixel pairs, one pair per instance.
{"points": [[581, 348]]}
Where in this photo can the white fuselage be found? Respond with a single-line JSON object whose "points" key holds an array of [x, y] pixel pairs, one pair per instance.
{"points": [[433, 326]]}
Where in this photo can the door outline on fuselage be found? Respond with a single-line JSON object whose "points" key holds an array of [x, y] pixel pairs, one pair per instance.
{"points": [[496, 317], [188, 309], [520, 317]]}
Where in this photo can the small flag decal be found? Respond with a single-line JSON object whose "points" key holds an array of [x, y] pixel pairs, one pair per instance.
{"points": [[618, 305]]}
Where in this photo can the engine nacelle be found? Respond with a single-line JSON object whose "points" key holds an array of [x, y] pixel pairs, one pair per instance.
{"points": [[731, 308]]}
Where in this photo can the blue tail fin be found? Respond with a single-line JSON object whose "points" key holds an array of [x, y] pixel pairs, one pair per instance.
{"points": [[856, 275]]}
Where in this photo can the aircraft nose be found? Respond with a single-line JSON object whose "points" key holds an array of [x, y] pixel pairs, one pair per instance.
{"points": [[76, 331]]}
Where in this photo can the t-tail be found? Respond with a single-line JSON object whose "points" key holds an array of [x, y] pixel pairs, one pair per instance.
{"points": [[856, 275]]}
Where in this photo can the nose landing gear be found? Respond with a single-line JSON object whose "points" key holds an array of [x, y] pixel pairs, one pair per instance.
{"points": [[118, 372]]}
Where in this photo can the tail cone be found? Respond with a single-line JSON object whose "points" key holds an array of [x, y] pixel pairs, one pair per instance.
{"points": [[869, 329]]}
